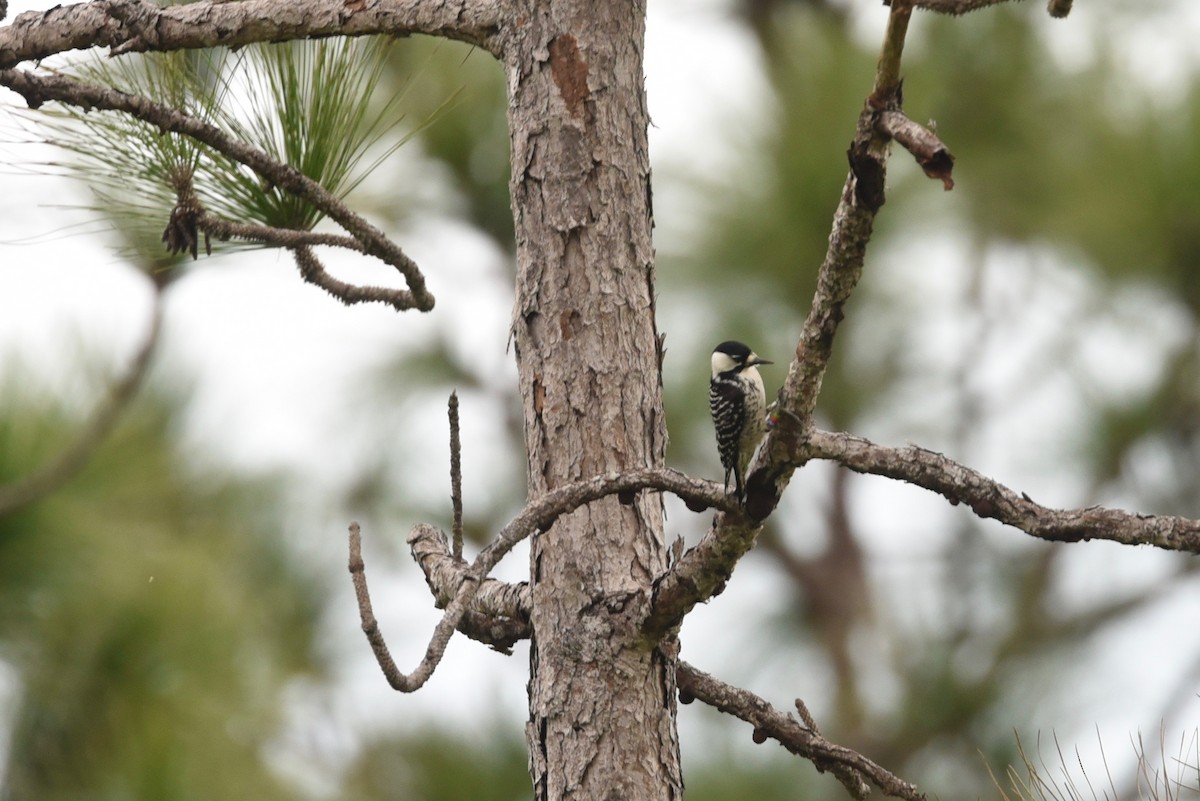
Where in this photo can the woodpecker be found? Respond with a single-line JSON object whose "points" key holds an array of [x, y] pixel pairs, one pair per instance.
{"points": [[738, 404]]}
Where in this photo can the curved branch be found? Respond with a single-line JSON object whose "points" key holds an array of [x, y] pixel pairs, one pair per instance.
{"points": [[538, 515], [37, 89], [62, 468], [313, 272], [852, 769], [989, 498], [138, 25], [189, 219]]}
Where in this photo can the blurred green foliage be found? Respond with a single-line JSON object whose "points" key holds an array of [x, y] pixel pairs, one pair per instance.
{"points": [[150, 614]]}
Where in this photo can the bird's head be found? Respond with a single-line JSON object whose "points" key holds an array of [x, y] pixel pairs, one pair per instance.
{"points": [[732, 357]]}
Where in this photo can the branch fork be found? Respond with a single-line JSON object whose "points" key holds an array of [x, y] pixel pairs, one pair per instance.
{"points": [[497, 613]]}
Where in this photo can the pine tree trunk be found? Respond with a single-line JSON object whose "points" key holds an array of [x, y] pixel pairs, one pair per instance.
{"points": [[602, 701]]}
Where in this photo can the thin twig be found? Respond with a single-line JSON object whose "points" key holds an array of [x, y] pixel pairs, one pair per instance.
{"points": [[1057, 8], [366, 613], [456, 477], [538, 515], [930, 152], [72, 459], [851, 768], [313, 272], [887, 70], [37, 89], [225, 230], [189, 219]]}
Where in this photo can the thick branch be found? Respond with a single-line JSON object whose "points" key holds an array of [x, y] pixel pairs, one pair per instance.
{"points": [[139, 25], [445, 573], [988, 498], [700, 573], [538, 515], [38, 89], [853, 221], [498, 615], [801, 738], [505, 607], [61, 469], [704, 569]]}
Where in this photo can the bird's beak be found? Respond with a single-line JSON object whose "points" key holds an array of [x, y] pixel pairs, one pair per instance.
{"points": [[756, 359]]}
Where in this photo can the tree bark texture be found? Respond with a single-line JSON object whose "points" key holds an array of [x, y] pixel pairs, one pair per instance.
{"points": [[602, 699]]}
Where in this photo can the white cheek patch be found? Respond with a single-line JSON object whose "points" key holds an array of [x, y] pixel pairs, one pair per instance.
{"points": [[721, 363]]}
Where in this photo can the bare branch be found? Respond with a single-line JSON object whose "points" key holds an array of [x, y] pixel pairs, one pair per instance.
{"points": [[37, 89], [929, 151], [62, 468], [954, 7], [988, 498], [226, 230], [851, 768], [138, 25], [853, 222], [538, 515], [189, 219], [366, 613], [498, 633]]}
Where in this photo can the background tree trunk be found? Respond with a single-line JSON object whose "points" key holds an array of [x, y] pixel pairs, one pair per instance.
{"points": [[602, 702]]}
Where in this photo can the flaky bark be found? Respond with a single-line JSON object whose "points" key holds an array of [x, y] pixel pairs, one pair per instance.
{"points": [[139, 25], [602, 703]]}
